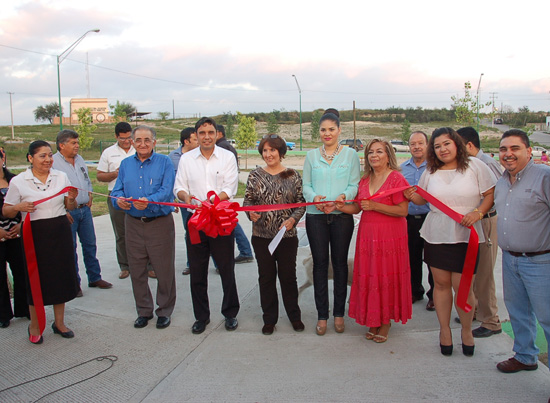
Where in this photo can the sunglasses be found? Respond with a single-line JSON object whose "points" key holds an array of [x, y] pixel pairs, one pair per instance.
{"points": [[271, 136]]}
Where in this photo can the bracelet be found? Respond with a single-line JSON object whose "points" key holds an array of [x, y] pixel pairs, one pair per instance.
{"points": [[480, 213]]}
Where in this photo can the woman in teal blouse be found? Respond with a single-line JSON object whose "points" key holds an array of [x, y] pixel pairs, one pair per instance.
{"points": [[331, 172]]}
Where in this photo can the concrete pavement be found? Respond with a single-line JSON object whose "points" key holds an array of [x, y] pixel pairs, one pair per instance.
{"points": [[173, 365]]}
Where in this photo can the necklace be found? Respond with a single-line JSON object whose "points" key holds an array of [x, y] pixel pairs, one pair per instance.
{"points": [[331, 156]]}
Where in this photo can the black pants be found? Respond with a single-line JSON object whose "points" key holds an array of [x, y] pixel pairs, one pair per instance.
{"points": [[416, 247], [281, 264], [222, 249], [11, 251]]}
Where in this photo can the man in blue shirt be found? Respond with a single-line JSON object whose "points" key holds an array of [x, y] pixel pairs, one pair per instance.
{"points": [[150, 232], [412, 171], [68, 161]]}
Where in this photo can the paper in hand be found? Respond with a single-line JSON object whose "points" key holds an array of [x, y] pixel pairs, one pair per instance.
{"points": [[273, 244]]}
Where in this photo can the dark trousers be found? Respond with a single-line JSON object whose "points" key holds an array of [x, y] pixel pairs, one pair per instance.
{"points": [[11, 251], [222, 249], [119, 228], [281, 264], [416, 248], [334, 231]]}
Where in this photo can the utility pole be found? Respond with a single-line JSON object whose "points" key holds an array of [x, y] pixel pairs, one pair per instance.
{"points": [[173, 110], [493, 110], [88, 74], [11, 110]]}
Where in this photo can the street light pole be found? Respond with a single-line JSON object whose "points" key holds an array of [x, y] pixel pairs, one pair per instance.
{"points": [[299, 92], [477, 101], [60, 58], [11, 111]]}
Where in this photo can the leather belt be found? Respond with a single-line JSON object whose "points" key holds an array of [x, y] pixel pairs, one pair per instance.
{"points": [[82, 205], [147, 219], [490, 214], [528, 254]]}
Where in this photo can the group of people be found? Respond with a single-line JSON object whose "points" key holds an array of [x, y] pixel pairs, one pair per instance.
{"points": [[398, 229]]}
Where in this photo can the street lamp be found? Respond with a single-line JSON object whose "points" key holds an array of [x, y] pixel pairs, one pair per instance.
{"points": [[60, 58], [300, 92], [477, 102]]}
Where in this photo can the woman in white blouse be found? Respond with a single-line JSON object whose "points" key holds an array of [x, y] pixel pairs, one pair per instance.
{"points": [[51, 233], [466, 185]]}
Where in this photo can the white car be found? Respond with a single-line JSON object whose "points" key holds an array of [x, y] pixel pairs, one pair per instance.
{"points": [[399, 146], [537, 151]]}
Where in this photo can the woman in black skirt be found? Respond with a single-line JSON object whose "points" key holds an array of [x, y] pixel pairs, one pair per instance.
{"points": [[11, 251], [466, 185], [51, 232]]}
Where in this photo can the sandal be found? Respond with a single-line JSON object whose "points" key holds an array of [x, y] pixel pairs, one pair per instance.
{"points": [[380, 338], [373, 331], [339, 327]]}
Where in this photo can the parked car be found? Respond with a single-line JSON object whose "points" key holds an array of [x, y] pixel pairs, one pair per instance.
{"points": [[537, 151], [358, 145], [399, 146], [289, 144], [497, 121]]}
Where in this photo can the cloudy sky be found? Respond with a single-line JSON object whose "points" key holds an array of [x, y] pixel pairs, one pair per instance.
{"points": [[209, 57]]}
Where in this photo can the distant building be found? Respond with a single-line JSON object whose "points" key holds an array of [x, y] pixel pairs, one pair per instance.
{"points": [[98, 106]]}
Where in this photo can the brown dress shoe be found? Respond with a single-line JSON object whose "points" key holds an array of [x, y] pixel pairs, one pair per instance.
{"points": [[123, 274], [101, 284], [512, 365], [298, 326], [430, 306], [152, 274]]}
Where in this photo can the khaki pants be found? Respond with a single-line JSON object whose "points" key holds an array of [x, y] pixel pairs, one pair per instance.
{"points": [[484, 283]]}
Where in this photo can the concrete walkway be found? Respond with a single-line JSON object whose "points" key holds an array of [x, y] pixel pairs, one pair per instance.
{"points": [[173, 365]]}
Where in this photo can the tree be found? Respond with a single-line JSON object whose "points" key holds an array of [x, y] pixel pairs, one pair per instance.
{"points": [[246, 134], [163, 115], [272, 125], [121, 110], [229, 121], [405, 131], [85, 128], [466, 108], [314, 128], [47, 112]]}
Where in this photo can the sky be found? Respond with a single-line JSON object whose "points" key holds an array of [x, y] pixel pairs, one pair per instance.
{"points": [[210, 57]]}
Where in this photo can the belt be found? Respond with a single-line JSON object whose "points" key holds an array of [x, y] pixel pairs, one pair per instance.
{"points": [[82, 205], [418, 216], [490, 214], [528, 254], [147, 219]]}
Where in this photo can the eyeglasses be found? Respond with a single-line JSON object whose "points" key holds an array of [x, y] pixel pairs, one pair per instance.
{"points": [[271, 136]]}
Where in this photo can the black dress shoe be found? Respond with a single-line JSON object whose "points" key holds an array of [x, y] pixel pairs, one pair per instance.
{"points": [[430, 306], [142, 321], [446, 350], [468, 351], [268, 329], [5, 324], [199, 326], [67, 335], [163, 322], [298, 326], [231, 323], [484, 332]]}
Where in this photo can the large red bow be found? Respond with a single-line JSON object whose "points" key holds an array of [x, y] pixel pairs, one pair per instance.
{"points": [[217, 218]]}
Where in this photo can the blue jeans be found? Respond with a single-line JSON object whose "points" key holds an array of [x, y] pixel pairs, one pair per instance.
{"points": [[334, 230], [84, 225], [242, 241], [526, 281]]}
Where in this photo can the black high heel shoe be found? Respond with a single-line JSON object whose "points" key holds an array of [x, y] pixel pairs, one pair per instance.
{"points": [[468, 351], [446, 350]]}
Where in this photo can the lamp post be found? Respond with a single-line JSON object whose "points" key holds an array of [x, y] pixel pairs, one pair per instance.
{"points": [[477, 101], [299, 92], [60, 58], [11, 111]]}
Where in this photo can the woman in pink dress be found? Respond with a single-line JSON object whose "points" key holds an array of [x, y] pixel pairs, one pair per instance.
{"points": [[381, 288]]}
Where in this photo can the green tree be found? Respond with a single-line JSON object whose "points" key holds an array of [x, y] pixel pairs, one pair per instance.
{"points": [[466, 108], [229, 120], [163, 115], [47, 112], [246, 134], [85, 127], [406, 131], [272, 125], [121, 110], [314, 128]]}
